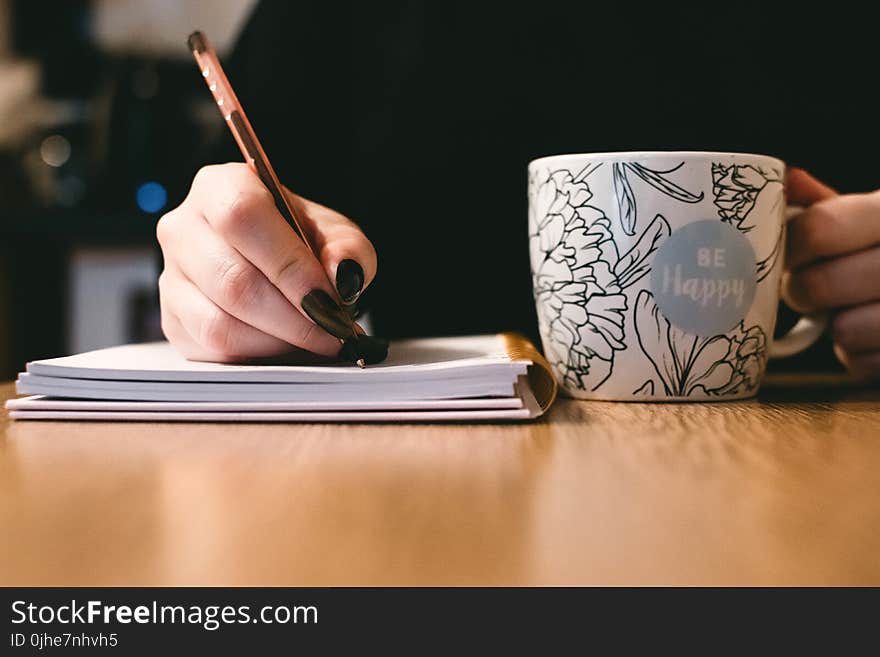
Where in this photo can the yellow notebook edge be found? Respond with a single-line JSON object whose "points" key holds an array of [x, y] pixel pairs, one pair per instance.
{"points": [[540, 374]]}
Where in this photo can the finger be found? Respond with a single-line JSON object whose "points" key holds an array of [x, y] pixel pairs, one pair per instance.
{"points": [[857, 329], [236, 286], [844, 281], [176, 334], [804, 189], [209, 332], [185, 344], [833, 227], [344, 251], [862, 365], [241, 210], [190, 349]]}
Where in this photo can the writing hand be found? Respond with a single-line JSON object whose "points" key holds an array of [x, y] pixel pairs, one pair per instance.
{"points": [[236, 274]]}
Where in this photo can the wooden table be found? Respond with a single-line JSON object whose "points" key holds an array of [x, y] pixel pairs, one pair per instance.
{"points": [[781, 490]]}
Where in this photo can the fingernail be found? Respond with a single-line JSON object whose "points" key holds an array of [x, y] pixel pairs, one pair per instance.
{"points": [[367, 347], [349, 280], [323, 310]]}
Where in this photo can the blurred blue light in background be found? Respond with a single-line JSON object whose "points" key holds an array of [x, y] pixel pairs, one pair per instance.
{"points": [[151, 197]]}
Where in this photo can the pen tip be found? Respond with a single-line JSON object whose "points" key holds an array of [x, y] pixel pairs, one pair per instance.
{"points": [[364, 350]]}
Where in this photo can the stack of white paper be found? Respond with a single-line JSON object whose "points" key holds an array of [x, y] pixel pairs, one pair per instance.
{"points": [[467, 378]]}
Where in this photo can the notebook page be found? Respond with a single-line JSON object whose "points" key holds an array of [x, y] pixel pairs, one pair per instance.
{"points": [[423, 359], [41, 403], [259, 416], [447, 388]]}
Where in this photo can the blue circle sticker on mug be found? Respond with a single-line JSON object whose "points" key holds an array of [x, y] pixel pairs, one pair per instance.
{"points": [[703, 277]]}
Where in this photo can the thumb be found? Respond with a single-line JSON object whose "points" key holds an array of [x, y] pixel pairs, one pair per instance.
{"points": [[804, 190]]}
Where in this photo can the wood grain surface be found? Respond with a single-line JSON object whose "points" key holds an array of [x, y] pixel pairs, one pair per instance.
{"points": [[784, 489]]}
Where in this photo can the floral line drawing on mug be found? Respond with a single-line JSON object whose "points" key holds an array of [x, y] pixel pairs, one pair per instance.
{"points": [[681, 307], [626, 201], [685, 363], [580, 278], [738, 189]]}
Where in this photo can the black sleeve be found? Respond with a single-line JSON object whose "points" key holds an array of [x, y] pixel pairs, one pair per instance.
{"points": [[290, 68]]}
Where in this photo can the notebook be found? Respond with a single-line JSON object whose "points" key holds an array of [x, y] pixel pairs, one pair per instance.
{"points": [[491, 377]]}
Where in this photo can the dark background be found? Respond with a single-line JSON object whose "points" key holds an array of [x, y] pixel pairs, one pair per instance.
{"points": [[396, 104], [99, 98]]}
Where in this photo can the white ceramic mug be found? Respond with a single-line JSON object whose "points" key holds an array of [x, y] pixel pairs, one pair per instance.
{"points": [[656, 274]]}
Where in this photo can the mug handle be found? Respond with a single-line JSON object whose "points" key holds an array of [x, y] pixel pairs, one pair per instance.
{"points": [[807, 329]]}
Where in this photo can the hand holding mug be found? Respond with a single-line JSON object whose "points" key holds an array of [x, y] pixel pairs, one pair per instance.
{"points": [[833, 258]]}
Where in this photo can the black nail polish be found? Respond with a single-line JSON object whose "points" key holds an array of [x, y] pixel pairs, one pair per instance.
{"points": [[326, 313], [353, 310], [368, 348], [349, 280]]}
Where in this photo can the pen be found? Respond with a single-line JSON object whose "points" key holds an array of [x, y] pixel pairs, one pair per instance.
{"points": [[317, 304]]}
